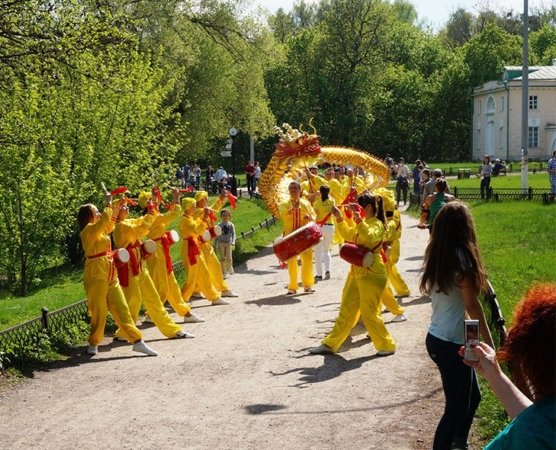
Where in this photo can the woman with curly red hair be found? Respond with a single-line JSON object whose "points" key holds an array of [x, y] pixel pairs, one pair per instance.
{"points": [[530, 351]]}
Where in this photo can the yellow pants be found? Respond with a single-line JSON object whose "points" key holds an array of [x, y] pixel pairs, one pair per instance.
{"points": [[214, 268], [166, 285], [141, 290], [361, 298], [307, 277], [390, 301], [397, 281], [104, 296], [394, 277], [198, 278]]}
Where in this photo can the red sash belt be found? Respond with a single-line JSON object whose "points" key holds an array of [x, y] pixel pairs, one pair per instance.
{"points": [[166, 249], [108, 254], [193, 250]]}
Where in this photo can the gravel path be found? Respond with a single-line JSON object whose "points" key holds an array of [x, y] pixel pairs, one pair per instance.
{"points": [[246, 381]]}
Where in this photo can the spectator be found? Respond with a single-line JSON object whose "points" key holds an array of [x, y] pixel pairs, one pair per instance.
{"points": [[186, 172], [453, 277], [530, 350], [416, 173], [250, 177], [258, 174], [499, 168], [430, 187], [220, 174], [486, 172], [424, 176], [226, 242], [552, 175], [179, 176], [402, 181], [434, 202]]}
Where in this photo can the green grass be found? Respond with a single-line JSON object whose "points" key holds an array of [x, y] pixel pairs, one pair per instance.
{"points": [[535, 181], [64, 286]]}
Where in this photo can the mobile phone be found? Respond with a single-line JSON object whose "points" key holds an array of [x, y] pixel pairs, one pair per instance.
{"points": [[471, 329]]}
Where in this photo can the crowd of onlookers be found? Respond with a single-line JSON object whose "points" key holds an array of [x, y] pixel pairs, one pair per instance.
{"points": [[215, 181]]}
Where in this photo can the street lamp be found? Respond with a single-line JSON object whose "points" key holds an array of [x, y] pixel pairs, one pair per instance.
{"points": [[525, 98]]}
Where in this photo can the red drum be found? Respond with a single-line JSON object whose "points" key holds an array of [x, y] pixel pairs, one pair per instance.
{"points": [[148, 248], [298, 241], [211, 233], [121, 256], [356, 255], [172, 236]]}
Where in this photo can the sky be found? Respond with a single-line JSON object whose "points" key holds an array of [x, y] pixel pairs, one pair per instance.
{"points": [[435, 12]]}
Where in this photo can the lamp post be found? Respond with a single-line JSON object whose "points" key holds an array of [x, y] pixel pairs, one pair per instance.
{"points": [[525, 99]]}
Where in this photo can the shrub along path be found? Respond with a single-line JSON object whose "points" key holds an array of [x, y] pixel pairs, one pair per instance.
{"points": [[246, 381]]}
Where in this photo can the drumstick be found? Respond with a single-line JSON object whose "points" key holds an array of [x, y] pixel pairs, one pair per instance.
{"points": [[103, 187]]}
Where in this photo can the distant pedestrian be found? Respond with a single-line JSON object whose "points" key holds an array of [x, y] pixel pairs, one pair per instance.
{"points": [[402, 181], [416, 173], [552, 175], [258, 174], [486, 172]]}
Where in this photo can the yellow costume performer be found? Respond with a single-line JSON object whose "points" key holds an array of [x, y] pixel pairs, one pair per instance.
{"points": [[160, 263], [198, 276], [390, 236], [398, 283], [134, 276], [364, 286], [213, 264], [102, 287], [295, 213]]}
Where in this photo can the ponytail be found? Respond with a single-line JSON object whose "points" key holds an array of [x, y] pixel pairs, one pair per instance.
{"points": [[324, 191], [380, 209]]}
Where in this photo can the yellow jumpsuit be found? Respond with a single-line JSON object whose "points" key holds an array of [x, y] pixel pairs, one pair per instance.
{"points": [[160, 263], [140, 287], [294, 218], [212, 261], [388, 298], [104, 292], [394, 276], [363, 289], [198, 276]]}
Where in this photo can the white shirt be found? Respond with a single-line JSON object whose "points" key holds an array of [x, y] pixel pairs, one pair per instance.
{"points": [[220, 174], [402, 171]]}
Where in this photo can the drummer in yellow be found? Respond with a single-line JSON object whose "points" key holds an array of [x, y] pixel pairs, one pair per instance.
{"points": [[209, 220], [134, 276], [364, 286], [391, 236], [198, 276], [160, 263], [295, 213]]}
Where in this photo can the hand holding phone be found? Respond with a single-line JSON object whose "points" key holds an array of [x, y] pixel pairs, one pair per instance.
{"points": [[471, 328]]}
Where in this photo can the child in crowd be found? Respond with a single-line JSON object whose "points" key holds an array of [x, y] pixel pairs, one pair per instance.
{"points": [[226, 242]]}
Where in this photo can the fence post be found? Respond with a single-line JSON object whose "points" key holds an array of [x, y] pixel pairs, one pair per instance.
{"points": [[530, 193], [44, 318], [455, 191]]}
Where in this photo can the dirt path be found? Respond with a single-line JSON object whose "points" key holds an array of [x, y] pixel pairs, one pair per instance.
{"points": [[246, 381]]}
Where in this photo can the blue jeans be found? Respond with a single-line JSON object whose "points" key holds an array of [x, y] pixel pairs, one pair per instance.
{"points": [[485, 187], [461, 392]]}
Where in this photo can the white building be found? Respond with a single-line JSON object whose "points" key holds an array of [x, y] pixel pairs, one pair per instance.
{"points": [[497, 115]]}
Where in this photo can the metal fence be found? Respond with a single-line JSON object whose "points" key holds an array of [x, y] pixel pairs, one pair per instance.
{"points": [[27, 332], [502, 194]]}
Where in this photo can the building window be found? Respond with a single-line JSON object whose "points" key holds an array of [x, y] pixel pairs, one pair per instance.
{"points": [[533, 102], [502, 104], [533, 140]]}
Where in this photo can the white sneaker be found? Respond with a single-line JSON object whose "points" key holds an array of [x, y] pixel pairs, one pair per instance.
{"points": [[183, 334], [385, 352], [147, 319], [197, 295], [308, 290], [399, 318], [229, 293], [192, 318], [321, 350], [220, 301], [141, 347], [92, 349]]}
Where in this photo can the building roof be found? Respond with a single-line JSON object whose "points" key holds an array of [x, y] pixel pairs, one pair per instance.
{"points": [[535, 72]]}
